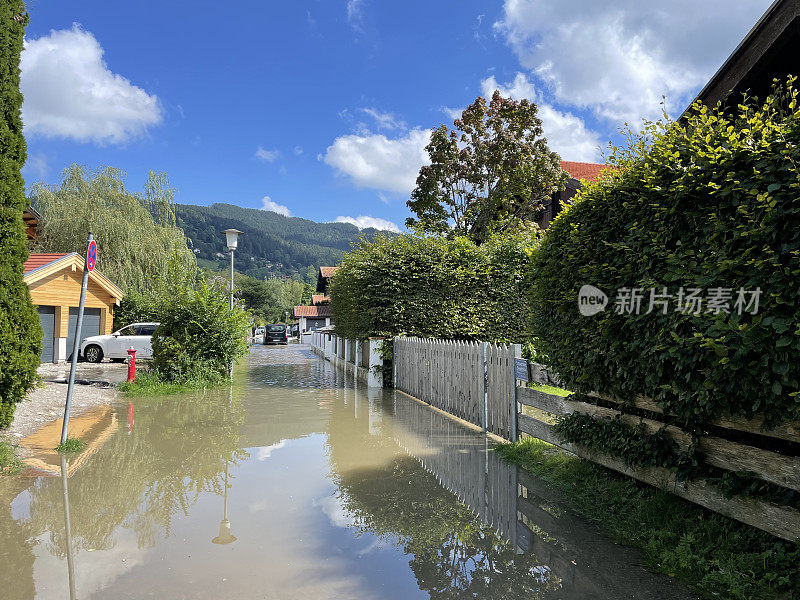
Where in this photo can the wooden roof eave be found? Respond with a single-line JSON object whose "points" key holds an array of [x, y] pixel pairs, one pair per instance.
{"points": [[75, 261]]}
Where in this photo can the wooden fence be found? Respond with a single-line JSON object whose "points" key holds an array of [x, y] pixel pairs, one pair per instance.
{"points": [[471, 380], [522, 509], [478, 382], [734, 444]]}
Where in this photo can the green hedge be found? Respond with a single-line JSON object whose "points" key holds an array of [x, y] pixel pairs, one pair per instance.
{"points": [[713, 201], [199, 336], [20, 333], [434, 287]]}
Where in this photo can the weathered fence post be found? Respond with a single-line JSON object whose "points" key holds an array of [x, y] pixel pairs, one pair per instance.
{"points": [[485, 424], [517, 353]]}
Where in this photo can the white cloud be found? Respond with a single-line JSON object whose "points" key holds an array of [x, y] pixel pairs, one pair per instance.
{"points": [[264, 452], [365, 222], [355, 14], [618, 60], [384, 120], [298, 150], [36, 167], [566, 133], [71, 93], [452, 113], [268, 204], [377, 162], [267, 155]]}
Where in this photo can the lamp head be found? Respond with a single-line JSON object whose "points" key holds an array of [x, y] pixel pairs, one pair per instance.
{"points": [[232, 238]]}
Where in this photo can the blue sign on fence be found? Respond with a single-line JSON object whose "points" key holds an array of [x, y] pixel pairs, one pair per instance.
{"points": [[521, 369]]}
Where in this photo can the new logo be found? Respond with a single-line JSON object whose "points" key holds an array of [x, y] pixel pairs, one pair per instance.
{"points": [[591, 300]]}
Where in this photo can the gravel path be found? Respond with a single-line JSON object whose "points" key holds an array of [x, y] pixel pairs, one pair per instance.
{"points": [[45, 403]]}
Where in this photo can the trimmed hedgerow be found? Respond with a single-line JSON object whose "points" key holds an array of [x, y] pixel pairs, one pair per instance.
{"points": [[20, 332], [199, 336], [709, 202], [434, 287]]}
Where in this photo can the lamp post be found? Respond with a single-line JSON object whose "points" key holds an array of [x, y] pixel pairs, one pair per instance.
{"points": [[232, 240]]}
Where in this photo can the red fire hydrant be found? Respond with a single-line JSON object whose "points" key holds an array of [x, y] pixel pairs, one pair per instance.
{"points": [[131, 364]]}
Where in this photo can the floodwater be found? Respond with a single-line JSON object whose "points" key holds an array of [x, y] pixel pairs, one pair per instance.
{"points": [[297, 483]]}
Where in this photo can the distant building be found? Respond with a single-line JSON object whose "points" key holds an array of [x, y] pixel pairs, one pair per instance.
{"points": [[32, 220], [54, 281], [324, 279], [317, 299], [312, 317], [577, 171]]}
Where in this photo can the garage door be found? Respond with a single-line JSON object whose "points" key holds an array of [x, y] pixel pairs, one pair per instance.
{"points": [[90, 326], [47, 318]]}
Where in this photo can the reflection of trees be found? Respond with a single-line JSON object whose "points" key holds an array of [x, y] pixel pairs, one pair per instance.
{"points": [[177, 451], [453, 554], [16, 546]]}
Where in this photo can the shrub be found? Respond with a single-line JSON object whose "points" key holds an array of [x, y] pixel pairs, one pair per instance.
{"points": [[709, 202], [434, 287], [199, 336], [20, 333]]}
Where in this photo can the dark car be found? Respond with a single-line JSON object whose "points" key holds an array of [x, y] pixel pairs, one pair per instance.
{"points": [[276, 334]]}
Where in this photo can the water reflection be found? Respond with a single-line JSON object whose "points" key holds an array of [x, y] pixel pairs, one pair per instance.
{"points": [[68, 529], [336, 491]]}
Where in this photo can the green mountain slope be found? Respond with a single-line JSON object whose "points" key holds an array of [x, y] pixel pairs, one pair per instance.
{"points": [[273, 245]]}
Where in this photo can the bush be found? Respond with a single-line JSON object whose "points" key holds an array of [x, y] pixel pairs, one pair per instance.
{"points": [[709, 202], [20, 333], [199, 336], [434, 287]]}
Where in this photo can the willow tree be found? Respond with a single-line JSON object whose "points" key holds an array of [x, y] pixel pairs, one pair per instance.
{"points": [[20, 333], [141, 247], [491, 172]]}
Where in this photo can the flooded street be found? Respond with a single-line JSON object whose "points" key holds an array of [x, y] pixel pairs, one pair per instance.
{"points": [[333, 491]]}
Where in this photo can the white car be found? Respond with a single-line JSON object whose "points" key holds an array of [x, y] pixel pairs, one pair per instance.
{"points": [[115, 346]]}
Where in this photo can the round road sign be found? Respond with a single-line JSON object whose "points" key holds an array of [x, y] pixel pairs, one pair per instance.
{"points": [[91, 255]]}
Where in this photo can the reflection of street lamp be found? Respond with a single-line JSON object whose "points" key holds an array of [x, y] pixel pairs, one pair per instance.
{"points": [[224, 536]]}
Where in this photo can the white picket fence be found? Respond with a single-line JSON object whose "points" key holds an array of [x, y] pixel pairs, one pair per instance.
{"points": [[471, 380]]}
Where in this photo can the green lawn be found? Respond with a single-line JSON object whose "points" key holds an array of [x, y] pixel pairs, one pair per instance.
{"points": [[716, 556], [9, 462]]}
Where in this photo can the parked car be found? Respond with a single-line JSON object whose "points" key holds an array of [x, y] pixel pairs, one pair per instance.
{"points": [[115, 346], [276, 334]]}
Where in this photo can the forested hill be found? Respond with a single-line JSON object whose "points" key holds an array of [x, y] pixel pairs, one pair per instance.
{"points": [[273, 245]]}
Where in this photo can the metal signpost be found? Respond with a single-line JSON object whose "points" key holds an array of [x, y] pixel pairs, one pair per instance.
{"points": [[91, 261]]}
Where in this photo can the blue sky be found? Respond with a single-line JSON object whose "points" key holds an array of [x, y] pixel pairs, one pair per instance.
{"points": [[321, 108]]}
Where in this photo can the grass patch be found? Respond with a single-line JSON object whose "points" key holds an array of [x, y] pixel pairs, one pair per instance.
{"points": [[149, 384], [549, 389], [71, 445], [716, 556], [9, 461]]}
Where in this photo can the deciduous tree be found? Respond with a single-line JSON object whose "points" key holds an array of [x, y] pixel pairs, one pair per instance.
{"points": [[491, 172]]}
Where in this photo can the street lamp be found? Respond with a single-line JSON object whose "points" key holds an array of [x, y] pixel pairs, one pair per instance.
{"points": [[232, 239]]}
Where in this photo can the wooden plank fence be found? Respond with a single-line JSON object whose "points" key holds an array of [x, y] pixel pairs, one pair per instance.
{"points": [[471, 380], [723, 447], [476, 381]]}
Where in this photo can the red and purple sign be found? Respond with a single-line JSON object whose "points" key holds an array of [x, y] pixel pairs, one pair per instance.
{"points": [[91, 256]]}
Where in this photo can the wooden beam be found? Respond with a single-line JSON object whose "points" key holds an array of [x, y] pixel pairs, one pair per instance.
{"points": [[779, 521], [770, 466]]}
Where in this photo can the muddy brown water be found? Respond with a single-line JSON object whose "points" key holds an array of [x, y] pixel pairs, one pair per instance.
{"points": [[333, 491]]}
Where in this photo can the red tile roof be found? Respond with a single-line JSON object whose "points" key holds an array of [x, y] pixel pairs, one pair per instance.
{"points": [[39, 260], [319, 298], [328, 271], [582, 170], [312, 311]]}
